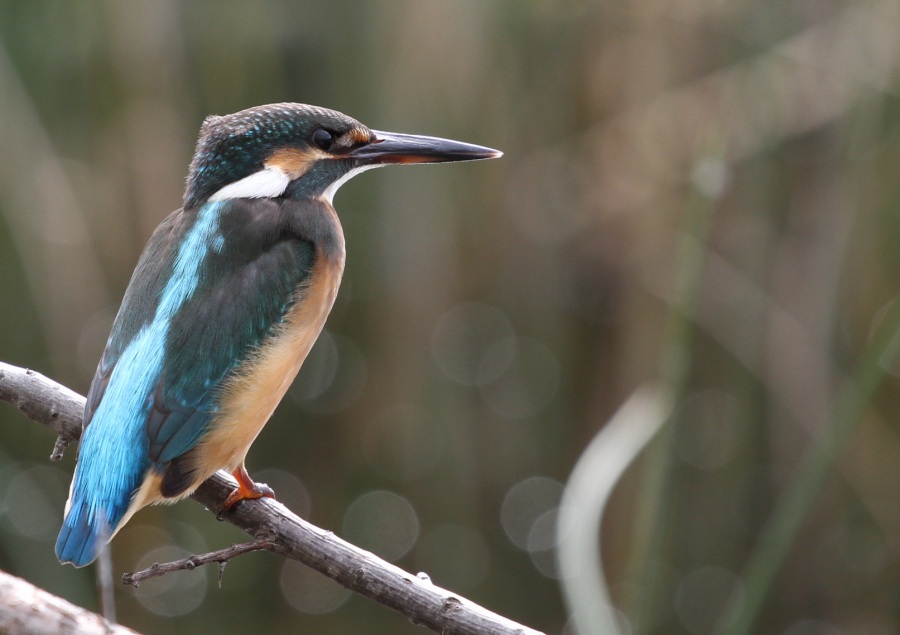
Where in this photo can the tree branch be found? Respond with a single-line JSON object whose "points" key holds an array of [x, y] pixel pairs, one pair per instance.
{"points": [[222, 556], [43, 400], [28, 609]]}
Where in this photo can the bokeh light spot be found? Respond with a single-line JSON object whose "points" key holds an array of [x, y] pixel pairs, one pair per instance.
{"points": [[289, 490], [525, 503], [309, 591], [542, 540], [175, 594], [333, 377], [462, 338], [542, 535], [496, 360], [711, 176], [34, 500], [383, 523], [546, 563], [319, 369]]}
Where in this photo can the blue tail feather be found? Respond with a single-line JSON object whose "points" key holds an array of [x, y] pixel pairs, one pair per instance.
{"points": [[112, 463], [104, 483], [83, 534]]}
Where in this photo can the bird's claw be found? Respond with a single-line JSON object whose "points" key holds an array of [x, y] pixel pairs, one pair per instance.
{"points": [[259, 490], [246, 488]]}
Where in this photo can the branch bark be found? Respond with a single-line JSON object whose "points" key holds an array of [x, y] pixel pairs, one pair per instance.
{"points": [[222, 556], [33, 611], [43, 400]]}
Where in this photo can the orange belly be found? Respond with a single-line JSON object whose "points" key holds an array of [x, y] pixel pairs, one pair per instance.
{"points": [[249, 398]]}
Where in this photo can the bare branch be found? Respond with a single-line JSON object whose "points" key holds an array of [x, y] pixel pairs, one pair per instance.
{"points": [[55, 406], [28, 609], [222, 556], [44, 401]]}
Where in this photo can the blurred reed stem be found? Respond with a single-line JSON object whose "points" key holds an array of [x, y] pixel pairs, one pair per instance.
{"points": [[593, 480], [785, 523], [655, 495], [857, 390]]}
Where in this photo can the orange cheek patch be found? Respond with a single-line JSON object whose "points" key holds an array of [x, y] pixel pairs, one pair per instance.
{"points": [[292, 161], [359, 135]]}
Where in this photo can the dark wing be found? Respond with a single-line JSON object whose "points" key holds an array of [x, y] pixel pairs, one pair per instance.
{"points": [[244, 290]]}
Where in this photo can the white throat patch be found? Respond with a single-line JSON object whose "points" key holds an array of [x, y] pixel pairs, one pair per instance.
{"points": [[328, 194], [270, 182]]}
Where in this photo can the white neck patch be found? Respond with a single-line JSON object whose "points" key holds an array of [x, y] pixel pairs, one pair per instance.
{"points": [[270, 182], [328, 194]]}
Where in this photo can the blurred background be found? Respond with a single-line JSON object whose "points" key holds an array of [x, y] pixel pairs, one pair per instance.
{"points": [[695, 192]]}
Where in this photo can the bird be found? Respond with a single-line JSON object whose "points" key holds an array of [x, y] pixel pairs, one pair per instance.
{"points": [[227, 298]]}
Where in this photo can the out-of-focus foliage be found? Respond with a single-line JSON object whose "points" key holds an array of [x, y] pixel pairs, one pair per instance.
{"points": [[492, 315]]}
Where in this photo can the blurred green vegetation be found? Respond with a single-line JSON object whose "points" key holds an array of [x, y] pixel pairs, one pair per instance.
{"points": [[493, 316]]}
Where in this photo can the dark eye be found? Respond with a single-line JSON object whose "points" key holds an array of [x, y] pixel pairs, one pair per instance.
{"points": [[323, 139]]}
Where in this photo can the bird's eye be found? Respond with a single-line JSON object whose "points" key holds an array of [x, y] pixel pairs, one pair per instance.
{"points": [[323, 139]]}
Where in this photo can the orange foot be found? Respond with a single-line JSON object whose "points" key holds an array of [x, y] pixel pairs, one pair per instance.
{"points": [[246, 489]]}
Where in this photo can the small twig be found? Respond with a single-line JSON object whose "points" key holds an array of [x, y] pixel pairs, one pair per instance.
{"points": [[222, 556], [59, 448]]}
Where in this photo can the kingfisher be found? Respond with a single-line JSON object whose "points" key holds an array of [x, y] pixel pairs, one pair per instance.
{"points": [[227, 299]]}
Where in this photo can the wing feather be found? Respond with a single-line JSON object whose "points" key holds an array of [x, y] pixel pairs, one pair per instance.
{"points": [[245, 287], [244, 293]]}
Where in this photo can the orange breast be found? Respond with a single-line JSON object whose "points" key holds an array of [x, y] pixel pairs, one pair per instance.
{"points": [[249, 398]]}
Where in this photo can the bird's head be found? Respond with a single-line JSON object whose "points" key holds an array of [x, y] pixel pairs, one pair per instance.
{"points": [[301, 151]]}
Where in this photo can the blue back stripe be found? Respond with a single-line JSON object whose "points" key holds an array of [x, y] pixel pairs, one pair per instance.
{"points": [[114, 452]]}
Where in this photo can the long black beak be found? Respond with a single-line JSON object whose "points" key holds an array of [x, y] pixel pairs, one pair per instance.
{"points": [[395, 147]]}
